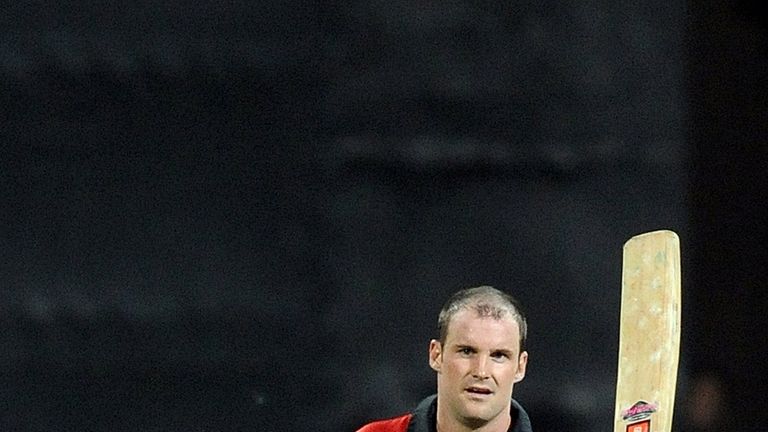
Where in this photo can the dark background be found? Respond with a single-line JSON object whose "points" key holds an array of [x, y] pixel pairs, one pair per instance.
{"points": [[225, 216]]}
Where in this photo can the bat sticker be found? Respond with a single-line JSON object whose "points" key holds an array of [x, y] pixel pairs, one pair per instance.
{"points": [[640, 410]]}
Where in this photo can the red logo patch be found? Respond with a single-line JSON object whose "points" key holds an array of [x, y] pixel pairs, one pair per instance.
{"points": [[643, 426]]}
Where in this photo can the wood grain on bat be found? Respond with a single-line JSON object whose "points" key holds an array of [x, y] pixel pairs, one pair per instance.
{"points": [[649, 335]]}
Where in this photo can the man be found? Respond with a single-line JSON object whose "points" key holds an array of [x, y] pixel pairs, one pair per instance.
{"points": [[479, 357]]}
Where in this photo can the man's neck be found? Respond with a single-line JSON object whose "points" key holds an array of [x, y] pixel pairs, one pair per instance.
{"points": [[499, 424]]}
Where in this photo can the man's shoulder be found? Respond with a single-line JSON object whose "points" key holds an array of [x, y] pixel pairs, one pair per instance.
{"points": [[521, 422], [396, 424], [421, 419]]}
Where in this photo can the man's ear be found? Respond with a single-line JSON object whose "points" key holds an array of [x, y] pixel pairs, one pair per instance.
{"points": [[522, 363], [435, 355]]}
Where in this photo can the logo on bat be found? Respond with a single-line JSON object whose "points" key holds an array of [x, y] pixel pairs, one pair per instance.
{"points": [[643, 426], [638, 411]]}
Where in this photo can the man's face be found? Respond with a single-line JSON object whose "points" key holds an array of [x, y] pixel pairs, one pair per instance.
{"points": [[477, 368]]}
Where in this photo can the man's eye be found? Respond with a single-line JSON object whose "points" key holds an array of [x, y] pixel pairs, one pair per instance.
{"points": [[465, 351], [500, 356]]}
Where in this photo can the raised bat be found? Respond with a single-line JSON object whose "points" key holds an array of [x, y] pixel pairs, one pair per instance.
{"points": [[649, 333]]}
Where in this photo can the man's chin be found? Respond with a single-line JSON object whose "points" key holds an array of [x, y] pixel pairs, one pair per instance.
{"points": [[475, 422], [477, 415]]}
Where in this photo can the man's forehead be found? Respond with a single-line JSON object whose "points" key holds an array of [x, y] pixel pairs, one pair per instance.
{"points": [[468, 326]]}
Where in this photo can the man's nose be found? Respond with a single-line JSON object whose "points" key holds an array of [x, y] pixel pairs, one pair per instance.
{"points": [[481, 367]]}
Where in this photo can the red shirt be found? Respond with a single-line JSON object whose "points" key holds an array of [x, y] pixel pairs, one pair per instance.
{"points": [[423, 419], [397, 424]]}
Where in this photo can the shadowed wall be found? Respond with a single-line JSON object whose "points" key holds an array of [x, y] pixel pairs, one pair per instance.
{"points": [[246, 217]]}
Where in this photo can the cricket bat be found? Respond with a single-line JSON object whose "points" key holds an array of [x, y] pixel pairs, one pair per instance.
{"points": [[649, 333]]}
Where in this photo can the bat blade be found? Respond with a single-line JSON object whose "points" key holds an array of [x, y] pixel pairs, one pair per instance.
{"points": [[649, 333]]}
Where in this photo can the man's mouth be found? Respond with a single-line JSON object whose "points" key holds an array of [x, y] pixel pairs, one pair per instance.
{"points": [[478, 391]]}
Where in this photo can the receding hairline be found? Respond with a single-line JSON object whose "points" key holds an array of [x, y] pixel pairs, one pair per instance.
{"points": [[487, 302]]}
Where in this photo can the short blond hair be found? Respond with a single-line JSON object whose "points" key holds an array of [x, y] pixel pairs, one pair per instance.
{"points": [[487, 301]]}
